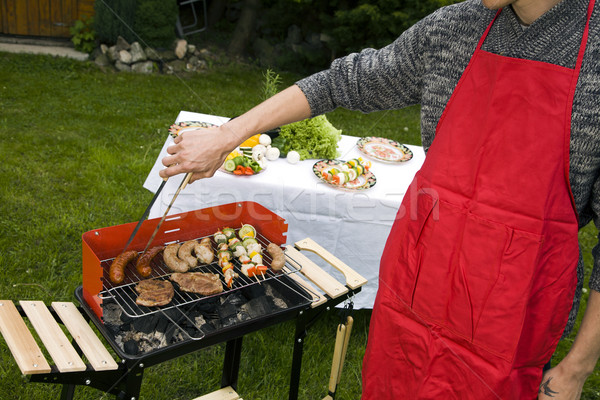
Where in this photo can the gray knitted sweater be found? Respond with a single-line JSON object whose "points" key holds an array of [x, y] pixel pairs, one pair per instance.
{"points": [[425, 63]]}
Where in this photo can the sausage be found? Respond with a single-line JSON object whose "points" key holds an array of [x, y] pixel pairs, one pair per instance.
{"points": [[116, 273], [277, 255], [204, 253], [185, 253], [143, 263], [174, 263]]}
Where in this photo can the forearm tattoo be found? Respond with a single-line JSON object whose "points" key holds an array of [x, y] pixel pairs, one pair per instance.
{"points": [[545, 388]]}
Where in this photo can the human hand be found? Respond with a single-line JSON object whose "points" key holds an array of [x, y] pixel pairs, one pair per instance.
{"points": [[201, 151], [559, 383]]}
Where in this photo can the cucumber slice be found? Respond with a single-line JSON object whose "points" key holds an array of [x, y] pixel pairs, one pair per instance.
{"points": [[230, 165]]}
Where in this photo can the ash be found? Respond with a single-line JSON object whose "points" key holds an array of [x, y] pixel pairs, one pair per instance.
{"points": [[207, 316]]}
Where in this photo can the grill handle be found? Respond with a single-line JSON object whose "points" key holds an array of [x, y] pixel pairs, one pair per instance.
{"points": [[353, 278]]}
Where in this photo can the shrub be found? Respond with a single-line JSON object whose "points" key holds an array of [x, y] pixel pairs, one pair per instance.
{"points": [[83, 35], [114, 18], [155, 22]]}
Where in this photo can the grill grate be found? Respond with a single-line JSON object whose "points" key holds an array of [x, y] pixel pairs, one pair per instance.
{"points": [[125, 295]]}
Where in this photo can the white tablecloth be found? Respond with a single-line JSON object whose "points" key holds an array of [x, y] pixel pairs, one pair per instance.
{"points": [[353, 225]]}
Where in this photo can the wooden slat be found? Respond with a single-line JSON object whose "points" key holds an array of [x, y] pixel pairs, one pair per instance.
{"points": [[97, 355], [45, 19], [21, 343], [353, 278], [11, 19], [33, 18], [21, 17], [316, 274], [226, 393], [62, 352]]}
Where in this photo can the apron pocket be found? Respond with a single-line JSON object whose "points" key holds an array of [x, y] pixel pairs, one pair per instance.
{"points": [[473, 277]]}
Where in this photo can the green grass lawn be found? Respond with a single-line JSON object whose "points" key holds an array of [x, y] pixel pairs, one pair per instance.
{"points": [[77, 144]]}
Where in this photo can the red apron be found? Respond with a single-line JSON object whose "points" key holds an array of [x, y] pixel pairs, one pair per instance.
{"points": [[479, 271]]}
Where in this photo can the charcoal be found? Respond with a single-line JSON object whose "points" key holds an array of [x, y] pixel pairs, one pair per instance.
{"points": [[145, 324], [162, 325], [131, 347], [125, 319], [207, 306], [257, 307], [113, 329], [227, 310], [253, 291]]}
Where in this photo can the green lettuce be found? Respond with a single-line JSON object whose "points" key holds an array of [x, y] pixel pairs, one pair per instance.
{"points": [[312, 138]]}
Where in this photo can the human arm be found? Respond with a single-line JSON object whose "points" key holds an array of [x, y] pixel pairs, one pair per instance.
{"points": [[566, 380], [203, 151]]}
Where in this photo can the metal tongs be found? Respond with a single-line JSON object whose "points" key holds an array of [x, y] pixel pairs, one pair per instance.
{"points": [[175, 130]]}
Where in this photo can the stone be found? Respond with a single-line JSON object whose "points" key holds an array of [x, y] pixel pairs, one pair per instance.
{"points": [[145, 67], [166, 55], [102, 60], [137, 53], [103, 48], [181, 48], [122, 44], [122, 67], [175, 66], [152, 54], [191, 48], [125, 57], [112, 54]]}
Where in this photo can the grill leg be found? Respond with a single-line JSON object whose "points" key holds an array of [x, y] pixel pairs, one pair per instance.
{"points": [[297, 357], [68, 392], [231, 365]]}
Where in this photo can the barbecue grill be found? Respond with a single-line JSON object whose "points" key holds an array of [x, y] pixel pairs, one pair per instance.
{"points": [[146, 336]]}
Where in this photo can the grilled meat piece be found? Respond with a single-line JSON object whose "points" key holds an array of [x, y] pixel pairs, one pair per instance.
{"points": [[154, 293], [203, 283], [185, 253], [174, 263]]}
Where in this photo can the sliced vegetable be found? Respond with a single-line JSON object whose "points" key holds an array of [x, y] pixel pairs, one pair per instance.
{"points": [[229, 165]]}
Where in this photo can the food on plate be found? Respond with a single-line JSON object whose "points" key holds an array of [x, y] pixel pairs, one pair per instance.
{"points": [[243, 164], [346, 172], [204, 252], [293, 157], [143, 262], [277, 255], [185, 253], [116, 272], [154, 293], [174, 263], [204, 283], [252, 141]]}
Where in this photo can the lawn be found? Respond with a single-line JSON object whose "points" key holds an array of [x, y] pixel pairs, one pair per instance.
{"points": [[77, 144]]}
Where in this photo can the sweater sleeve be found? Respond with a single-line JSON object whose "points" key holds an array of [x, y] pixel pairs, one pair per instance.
{"points": [[372, 80], [595, 275]]}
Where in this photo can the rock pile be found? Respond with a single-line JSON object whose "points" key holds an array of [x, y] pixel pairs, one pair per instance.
{"points": [[132, 57]]}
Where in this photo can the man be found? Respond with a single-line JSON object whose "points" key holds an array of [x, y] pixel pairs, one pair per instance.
{"points": [[481, 272]]}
